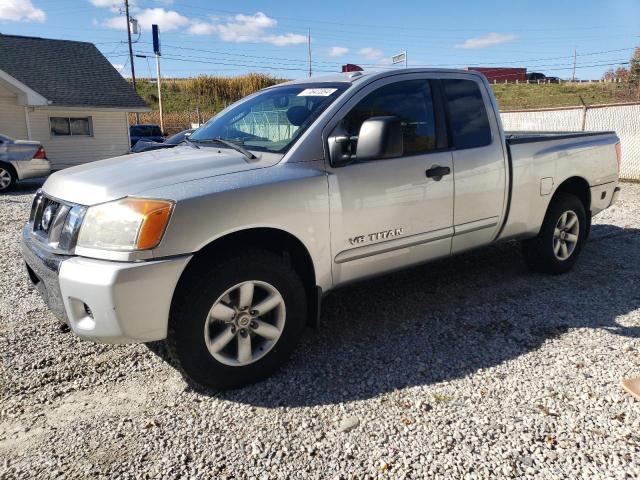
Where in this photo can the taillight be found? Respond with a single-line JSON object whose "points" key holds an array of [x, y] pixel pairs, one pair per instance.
{"points": [[41, 154], [618, 156]]}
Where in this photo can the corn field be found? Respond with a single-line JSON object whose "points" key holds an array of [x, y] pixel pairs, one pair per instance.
{"points": [[174, 122], [193, 100]]}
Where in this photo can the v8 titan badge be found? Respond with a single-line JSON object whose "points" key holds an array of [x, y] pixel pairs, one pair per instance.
{"points": [[359, 239]]}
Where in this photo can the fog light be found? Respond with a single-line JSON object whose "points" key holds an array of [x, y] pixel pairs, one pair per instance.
{"points": [[88, 311]]}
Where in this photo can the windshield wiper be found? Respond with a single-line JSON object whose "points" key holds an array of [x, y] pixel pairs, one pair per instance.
{"points": [[189, 142], [229, 144]]}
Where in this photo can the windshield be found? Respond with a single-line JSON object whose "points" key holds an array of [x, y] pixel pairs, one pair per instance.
{"points": [[273, 120]]}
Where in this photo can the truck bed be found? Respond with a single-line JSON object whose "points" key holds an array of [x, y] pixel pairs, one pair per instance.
{"points": [[540, 161]]}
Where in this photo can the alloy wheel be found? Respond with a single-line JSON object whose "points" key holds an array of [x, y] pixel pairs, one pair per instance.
{"points": [[245, 323], [5, 178], [565, 235]]}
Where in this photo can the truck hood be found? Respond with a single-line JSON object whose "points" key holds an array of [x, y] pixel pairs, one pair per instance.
{"points": [[130, 175]]}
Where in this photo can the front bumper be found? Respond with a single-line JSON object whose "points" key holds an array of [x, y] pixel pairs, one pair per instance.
{"points": [[108, 302]]}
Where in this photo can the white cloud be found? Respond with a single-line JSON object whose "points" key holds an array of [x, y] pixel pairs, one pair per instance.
{"points": [[489, 40], [105, 3], [286, 39], [245, 28], [167, 20], [371, 53], [242, 28], [118, 66], [20, 11], [338, 51], [202, 28], [119, 23]]}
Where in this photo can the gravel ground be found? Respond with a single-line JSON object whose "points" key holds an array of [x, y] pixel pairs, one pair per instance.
{"points": [[467, 368]]}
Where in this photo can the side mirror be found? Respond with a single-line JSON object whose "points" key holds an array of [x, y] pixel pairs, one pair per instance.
{"points": [[380, 137], [341, 149]]}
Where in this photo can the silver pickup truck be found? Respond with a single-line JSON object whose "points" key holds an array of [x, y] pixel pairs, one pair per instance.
{"points": [[225, 245]]}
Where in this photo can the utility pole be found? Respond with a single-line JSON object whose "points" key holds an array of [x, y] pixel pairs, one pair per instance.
{"points": [[133, 68], [309, 48], [574, 65]]}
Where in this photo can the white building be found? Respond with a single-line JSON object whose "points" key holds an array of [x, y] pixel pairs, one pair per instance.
{"points": [[66, 95]]}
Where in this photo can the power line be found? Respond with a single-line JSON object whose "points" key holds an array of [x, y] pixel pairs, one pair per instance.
{"points": [[212, 62], [287, 67], [336, 62]]}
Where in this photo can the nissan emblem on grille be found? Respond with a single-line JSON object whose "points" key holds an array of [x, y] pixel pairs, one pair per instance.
{"points": [[47, 216]]}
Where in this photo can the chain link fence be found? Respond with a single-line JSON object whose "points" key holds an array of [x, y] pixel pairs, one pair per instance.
{"points": [[624, 119]]}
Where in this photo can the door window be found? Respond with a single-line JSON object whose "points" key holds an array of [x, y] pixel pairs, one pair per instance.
{"points": [[411, 102], [467, 114]]}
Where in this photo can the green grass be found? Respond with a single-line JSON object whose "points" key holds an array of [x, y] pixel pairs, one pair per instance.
{"points": [[211, 94], [530, 96], [207, 93]]}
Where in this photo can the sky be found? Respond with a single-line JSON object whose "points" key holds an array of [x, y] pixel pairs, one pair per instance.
{"points": [[234, 38]]}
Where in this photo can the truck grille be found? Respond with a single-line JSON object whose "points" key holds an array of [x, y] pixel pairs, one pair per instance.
{"points": [[56, 223]]}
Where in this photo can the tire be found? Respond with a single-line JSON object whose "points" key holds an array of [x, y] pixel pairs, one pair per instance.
{"points": [[197, 331], [554, 251], [8, 177]]}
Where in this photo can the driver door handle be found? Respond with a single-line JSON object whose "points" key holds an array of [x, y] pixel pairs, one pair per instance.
{"points": [[436, 172]]}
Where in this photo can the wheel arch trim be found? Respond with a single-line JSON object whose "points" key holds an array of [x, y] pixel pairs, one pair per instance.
{"points": [[277, 240]]}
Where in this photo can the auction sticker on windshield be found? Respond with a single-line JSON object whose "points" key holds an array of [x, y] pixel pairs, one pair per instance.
{"points": [[317, 92]]}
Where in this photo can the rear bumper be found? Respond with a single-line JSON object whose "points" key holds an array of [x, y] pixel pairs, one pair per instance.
{"points": [[33, 168], [603, 196], [616, 194], [108, 302]]}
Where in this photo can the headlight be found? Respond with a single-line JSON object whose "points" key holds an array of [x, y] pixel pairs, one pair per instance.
{"points": [[126, 224]]}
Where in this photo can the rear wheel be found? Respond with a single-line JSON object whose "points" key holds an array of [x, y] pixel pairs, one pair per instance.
{"points": [[564, 230], [7, 177], [236, 321]]}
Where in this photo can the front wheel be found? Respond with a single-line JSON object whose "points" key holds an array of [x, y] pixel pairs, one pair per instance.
{"points": [[564, 230], [235, 321]]}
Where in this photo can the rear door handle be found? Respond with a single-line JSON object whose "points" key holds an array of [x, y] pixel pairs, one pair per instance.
{"points": [[437, 172]]}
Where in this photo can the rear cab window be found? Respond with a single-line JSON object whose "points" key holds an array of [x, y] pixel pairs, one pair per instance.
{"points": [[468, 119]]}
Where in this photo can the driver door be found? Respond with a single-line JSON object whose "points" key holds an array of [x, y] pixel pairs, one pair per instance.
{"points": [[387, 214]]}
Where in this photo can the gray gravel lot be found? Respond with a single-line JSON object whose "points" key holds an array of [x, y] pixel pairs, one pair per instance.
{"points": [[471, 367]]}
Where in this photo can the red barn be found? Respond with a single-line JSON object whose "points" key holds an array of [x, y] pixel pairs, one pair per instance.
{"points": [[500, 74]]}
